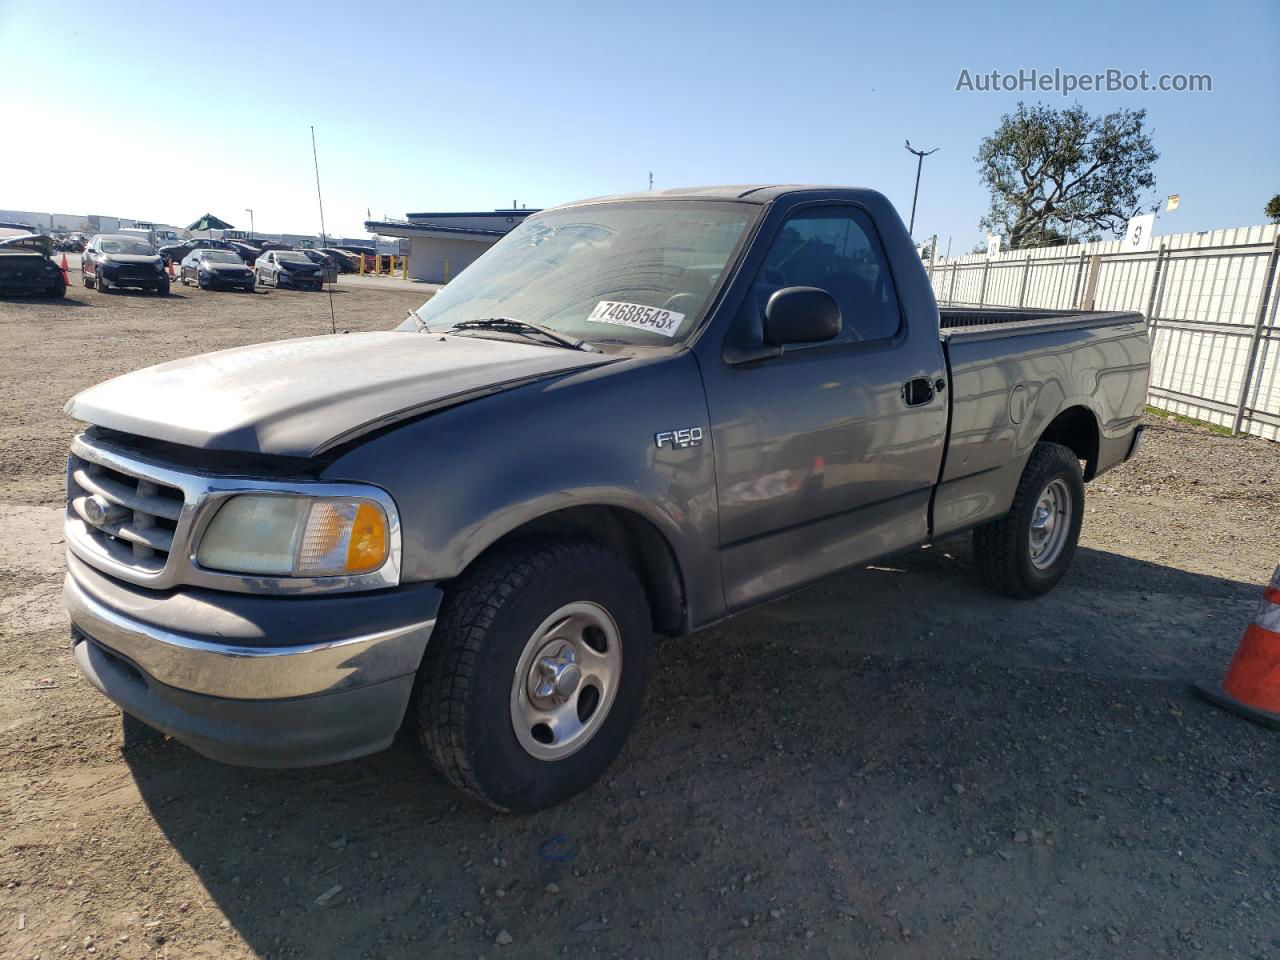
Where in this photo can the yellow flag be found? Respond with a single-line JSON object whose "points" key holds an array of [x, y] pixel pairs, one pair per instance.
{"points": [[1173, 201]]}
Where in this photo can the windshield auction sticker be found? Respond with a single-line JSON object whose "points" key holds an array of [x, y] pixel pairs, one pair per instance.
{"points": [[653, 319]]}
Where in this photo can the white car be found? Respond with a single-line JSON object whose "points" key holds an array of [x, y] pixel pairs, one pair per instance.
{"points": [[288, 268]]}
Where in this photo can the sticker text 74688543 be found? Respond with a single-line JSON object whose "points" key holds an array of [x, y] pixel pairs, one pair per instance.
{"points": [[654, 319]]}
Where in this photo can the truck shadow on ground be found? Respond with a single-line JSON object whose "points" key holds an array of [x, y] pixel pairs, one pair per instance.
{"points": [[889, 715]]}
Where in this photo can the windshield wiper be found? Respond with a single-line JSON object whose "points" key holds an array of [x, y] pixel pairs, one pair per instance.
{"points": [[511, 325]]}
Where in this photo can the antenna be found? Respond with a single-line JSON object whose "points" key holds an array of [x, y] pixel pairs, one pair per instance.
{"points": [[333, 322]]}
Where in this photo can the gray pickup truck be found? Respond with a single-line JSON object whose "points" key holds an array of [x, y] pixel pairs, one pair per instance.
{"points": [[632, 417]]}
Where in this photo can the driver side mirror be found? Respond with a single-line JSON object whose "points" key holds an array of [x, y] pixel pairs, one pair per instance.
{"points": [[800, 315]]}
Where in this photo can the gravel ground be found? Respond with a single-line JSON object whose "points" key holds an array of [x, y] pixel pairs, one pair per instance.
{"points": [[893, 763]]}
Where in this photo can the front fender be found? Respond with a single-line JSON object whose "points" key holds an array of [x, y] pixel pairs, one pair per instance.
{"points": [[467, 476]]}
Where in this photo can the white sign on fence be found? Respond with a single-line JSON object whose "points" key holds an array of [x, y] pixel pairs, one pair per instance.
{"points": [[993, 244], [1137, 236]]}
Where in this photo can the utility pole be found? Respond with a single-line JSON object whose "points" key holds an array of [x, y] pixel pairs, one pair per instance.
{"points": [[920, 155], [249, 211], [650, 179]]}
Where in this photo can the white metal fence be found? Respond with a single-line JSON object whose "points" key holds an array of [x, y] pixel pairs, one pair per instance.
{"points": [[1210, 300]]}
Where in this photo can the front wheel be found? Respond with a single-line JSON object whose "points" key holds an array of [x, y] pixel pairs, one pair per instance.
{"points": [[535, 672], [1027, 552], [162, 287]]}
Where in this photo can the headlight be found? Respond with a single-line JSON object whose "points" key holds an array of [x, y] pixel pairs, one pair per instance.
{"points": [[291, 536]]}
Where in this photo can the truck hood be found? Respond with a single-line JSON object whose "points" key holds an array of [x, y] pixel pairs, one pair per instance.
{"points": [[301, 397]]}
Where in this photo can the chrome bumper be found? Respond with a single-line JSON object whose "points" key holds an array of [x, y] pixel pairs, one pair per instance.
{"points": [[240, 672]]}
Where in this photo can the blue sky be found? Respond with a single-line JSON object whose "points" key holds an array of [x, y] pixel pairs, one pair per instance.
{"points": [[161, 111]]}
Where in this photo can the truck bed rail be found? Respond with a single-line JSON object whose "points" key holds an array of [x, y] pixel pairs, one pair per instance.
{"points": [[982, 323]]}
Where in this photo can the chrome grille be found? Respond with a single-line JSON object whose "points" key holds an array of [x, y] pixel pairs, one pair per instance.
{"points": [[130, 518]]}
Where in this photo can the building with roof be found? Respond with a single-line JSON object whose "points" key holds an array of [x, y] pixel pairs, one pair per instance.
{"points": [[442, 244]]}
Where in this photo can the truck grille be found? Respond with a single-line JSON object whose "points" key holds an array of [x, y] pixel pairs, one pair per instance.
{"points": [[129, 518]]}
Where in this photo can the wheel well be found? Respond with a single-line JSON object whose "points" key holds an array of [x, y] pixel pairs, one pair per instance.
{"points": [[1077, 429], [634, 539]]}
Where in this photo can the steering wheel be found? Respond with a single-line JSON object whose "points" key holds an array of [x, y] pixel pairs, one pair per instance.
{"points": [[685, 303]]}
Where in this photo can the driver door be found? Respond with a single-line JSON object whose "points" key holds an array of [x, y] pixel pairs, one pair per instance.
{"points": [[826, 455]]}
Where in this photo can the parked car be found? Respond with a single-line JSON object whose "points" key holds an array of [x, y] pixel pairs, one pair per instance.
{"points": [[112, 260], [245, 250], [345, 261], [487, 529], [27, 267], [177, 252], [268, 245], [327, 263], [216, 268], [288, 268]]}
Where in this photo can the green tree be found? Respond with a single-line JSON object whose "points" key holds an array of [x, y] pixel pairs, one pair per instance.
{"points": [[1048, 168], [1272, 209]]}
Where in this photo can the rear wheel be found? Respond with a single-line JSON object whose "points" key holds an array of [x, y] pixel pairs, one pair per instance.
{"points": [[58, 290], [535, 673], [1027, 552]]}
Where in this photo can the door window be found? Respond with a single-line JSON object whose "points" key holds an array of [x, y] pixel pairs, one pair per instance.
{"points": [[835, 249]]}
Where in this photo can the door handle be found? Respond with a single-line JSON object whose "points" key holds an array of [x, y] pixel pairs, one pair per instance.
{"points": [[917, 391]]}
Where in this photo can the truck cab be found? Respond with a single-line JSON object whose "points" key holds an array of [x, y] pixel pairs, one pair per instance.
{"points": [[633, 416]]}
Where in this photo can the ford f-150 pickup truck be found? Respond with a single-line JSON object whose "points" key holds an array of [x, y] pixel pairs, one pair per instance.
{"points": [[631, 417]]}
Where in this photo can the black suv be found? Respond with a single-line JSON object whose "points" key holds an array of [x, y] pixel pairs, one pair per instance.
{"points": [[113, 260]]}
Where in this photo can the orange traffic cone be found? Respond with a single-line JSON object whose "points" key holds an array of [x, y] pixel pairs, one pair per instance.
{"points": [[66, 276], [171, 273], [1251, 687]]}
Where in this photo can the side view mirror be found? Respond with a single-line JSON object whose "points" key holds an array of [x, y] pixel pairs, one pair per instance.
{"points": [[800, 315]]}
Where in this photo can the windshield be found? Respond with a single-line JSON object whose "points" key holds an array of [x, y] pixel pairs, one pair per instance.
{"points": [[636, 273], [220, 256], [126, 245], [291, 256]]}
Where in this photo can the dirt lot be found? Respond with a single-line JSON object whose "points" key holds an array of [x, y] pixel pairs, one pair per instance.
{"points": [[891, 764]]}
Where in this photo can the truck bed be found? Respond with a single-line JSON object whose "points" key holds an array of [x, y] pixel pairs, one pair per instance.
{"points": [[1011, 371]]}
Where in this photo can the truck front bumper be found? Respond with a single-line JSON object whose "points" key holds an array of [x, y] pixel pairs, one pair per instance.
{"points": [[251, 679]]}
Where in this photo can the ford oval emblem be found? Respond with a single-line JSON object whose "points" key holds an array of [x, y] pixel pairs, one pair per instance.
{"points": [[96, 510]]}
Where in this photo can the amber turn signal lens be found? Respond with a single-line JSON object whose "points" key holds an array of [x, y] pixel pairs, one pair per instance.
{"points": [[367, 548]]}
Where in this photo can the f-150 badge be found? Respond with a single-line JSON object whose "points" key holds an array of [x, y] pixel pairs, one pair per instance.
{"points": [[679, 439]]}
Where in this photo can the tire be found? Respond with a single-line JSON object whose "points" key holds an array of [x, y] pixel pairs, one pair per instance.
{"points": [[88, 280], [162, 287], [1027, 552], [103, 286], [58, 291], [472, 698]]}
